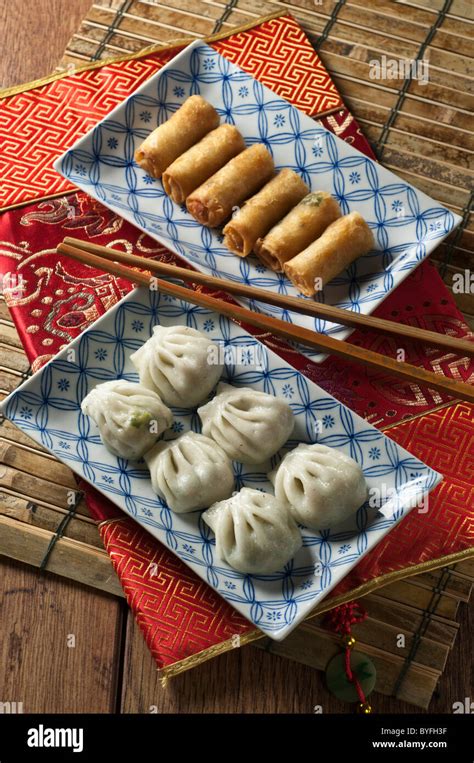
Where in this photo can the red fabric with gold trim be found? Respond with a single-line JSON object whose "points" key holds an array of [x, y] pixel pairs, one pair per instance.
{"points": [[38, 125], [178, 613]]}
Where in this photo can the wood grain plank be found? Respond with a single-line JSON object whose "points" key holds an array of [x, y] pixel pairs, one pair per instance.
{"points": [[35, 24], [38, 489], [72, 59], [40, 617]]}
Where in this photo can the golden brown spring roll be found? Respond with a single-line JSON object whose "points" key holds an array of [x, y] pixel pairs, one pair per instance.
{"points": [[298, 229], [201, 161], [212, 203], [263, 210], [342, 242], [190, 123]]}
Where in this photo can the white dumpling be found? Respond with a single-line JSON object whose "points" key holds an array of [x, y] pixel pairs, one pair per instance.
{"points": [[130, 417], [249, 425], [321, 485], [254, 532], [180, 364], [190, 473]]}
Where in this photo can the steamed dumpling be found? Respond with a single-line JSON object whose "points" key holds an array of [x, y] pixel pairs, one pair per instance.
{"points": [[320, 485], [249, 425], [129, 416], [190, 472], [179, 363], [254, 532]]}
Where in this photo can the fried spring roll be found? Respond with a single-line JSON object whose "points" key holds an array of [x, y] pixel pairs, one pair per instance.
{"points": [[212, 203], [342, 242], [262, 211], [190, 123], [201, 161], [297, 230]]}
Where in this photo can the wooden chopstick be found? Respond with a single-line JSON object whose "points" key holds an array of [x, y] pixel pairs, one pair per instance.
{"points": [[274, 326], [462, 347]]}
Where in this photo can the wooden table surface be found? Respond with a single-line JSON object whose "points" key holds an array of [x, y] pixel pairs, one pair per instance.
{"points": [[68, 648]]}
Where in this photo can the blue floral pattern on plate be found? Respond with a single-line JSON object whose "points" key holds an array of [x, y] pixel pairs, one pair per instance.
{"points": [[407, 224], [47, 408]]}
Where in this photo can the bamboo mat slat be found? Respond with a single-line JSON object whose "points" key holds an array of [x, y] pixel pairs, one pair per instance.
{"points": [[36, 514], [69, 558]]}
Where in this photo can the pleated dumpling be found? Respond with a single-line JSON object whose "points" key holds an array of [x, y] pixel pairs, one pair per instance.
{"points": [[130, 417], [249, 425], [180, 364], [254, 532], [190, 473], [320, 485]]}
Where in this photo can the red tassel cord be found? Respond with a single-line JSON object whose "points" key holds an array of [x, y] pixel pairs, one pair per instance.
{"points": [[340, 620]]}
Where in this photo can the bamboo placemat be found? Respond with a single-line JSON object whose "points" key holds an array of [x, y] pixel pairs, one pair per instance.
{"points": [[423, 132], [38, 523]]}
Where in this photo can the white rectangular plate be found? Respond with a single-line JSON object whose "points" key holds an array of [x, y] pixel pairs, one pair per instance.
{"points": [[407, 224], [47, 408]]}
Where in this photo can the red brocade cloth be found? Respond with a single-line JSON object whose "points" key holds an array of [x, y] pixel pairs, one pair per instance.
{"points": [[182, 618]]}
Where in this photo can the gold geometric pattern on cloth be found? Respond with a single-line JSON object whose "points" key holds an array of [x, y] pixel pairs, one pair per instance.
{"points": [[178, 614]]}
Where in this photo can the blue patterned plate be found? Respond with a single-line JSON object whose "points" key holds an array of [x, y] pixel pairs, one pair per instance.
{"points": [[407, 224], [47, 408]]}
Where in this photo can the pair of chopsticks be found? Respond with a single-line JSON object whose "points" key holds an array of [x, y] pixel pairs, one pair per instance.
{"points": [[124, 265]]}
